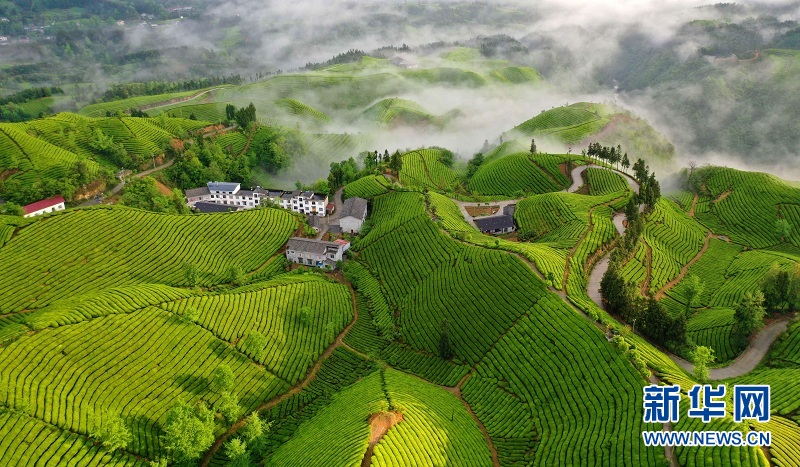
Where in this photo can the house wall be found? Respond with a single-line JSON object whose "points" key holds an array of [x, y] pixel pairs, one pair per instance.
{"points": [[57, 207], [351, 224]]}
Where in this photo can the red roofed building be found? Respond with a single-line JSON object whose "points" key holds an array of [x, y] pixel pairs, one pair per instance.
{"points": [[44, 206]]}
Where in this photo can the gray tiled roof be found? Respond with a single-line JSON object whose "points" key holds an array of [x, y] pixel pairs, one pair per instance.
{"points": [[495, 222], [354, 207], [223, 186], [307, 245], [203, 206], [194, 192]]}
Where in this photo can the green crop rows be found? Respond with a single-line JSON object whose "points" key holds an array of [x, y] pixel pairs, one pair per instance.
{"points": [[366, 187], [90, 250], [603, 182], [511, 175], [423, 169], [747, 214], [675, 239], [712, 328]]}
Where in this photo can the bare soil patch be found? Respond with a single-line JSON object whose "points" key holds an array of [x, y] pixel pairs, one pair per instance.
{"points": [[722, 196], [379, 423], [477, 211]]}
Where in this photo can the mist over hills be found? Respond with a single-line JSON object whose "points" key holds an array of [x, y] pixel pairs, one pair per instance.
{"points": [[719, 81]]}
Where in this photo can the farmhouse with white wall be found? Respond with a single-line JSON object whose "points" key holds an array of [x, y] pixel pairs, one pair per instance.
{"points": [[316, 253], [44, 206], [225, 193], [354, 212]]}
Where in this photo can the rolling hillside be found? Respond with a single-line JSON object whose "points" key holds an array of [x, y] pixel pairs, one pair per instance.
{"points": [[578, 124]]}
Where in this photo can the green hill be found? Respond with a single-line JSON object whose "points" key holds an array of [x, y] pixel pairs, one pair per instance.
{"points": [[40, 158], [399, 113], [584, 122]]}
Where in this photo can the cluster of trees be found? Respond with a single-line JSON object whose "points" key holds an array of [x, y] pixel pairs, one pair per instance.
{"points": [[143, 193], [243, 117], [352, 55], [645, 313], [474, 164], [748, 319], [150, 88], [73, 179], [273, 150], [612, 155], [205, 161], [781, 289], [344, 172], [649, 188], [133, 113], [30, 94]]}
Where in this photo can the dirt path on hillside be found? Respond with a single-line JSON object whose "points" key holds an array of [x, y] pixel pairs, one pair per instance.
{"points": [[669, 451], [379, 424], [177, 100], [722, 196], [669, 285], [118, 187], [249, 140], [694, 205], [292, 391]]}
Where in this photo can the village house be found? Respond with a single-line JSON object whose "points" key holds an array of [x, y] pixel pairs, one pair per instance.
{"points": [[496, 224], [354, 212], [205, 207], [231, 194], [44, 206], [316, 253]]}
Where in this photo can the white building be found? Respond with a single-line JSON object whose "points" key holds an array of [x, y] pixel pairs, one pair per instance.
{"points": [[354, 212], [316, 253], [304, 202], [44, 206]]}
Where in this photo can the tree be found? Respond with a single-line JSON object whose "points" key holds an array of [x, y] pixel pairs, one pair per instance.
{"points": [[190, 274], [445, 348], [693, 289], [236, 450], [228, 406], [701, 357], [11, 209], [236, 275], [533, 146], [640, 171], [626, 163], [143, 193], [230, 112], [113, 433], [396, 162], [254, 433], [189, 431], [255, 343], [473, 164], [748, 318], [781, 289], [783, 229], [223, 378]]}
